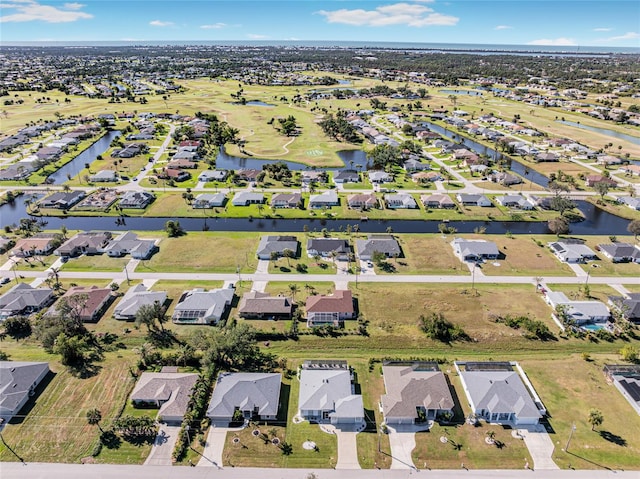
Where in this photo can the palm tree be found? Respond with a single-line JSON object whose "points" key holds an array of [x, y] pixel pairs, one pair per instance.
{"points": [[288, 253], [595, 418], [94, 416], [294, 288]]}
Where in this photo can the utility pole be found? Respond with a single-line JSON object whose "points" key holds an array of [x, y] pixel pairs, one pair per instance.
{"points": [[573, 428]]}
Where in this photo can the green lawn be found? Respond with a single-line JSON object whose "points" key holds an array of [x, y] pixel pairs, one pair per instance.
{"points": [[100, 262]]}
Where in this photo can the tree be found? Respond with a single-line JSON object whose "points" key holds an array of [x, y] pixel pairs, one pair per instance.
{"points": [[288, 253], [294, 288], [602, 188], [436, 326], [173, 229], [595, 418], [629, 353], [153, 316], [17, 327], [558, 226], [71, 349], [634, 228], [94, 416]]}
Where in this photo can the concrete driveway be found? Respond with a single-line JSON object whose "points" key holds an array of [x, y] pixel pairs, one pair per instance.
{"points": [[214, 446], [347, 450], [402, 442], [540, 447], [163, 446]]}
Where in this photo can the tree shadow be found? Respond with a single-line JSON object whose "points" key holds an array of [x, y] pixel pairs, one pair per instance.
{"points": [[614, 438], [110, 439]]}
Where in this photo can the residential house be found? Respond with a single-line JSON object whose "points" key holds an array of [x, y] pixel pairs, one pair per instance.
{"points": [[129, 151], [246, 198], [33, 246], [248, 175], [497, 393], [200, 306], [18, 383], [62, 200], [286, 200], [129, 243], [592, 180], [23, 298], [136, 297], [383, 244], [621, 252], [422, 177], [346, 176], [473, 200], [626, 379], [255, 395], [276, 244], [104, 176], [181, 163], [94, 302], [580, 313], [631, 202], [213, 175], [174, 174], [136, 199], [326, 199], [257, 305], [362, 201], [85, 242], [629, 306], [411, 165], [400, 201], [515, 201], [209, 200], [332, 309], [437, 201], [506, 179], [328, 248], [313, 176], [326, 394], [474, 250], [168, 391], [572, 252], [545, 156], [380, 177], [416, 391]]}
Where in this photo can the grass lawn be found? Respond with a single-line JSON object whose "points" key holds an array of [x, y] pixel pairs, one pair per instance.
{"points": [[569, 390], [304, 289], [599, 292], [100, 262], [253, 451], [426, 254], [207, 252], [55, 428], [523, 257], [604, 266], [284, 265]]}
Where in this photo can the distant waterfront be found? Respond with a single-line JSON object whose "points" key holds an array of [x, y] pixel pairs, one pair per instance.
{"points": [[431, 47]]}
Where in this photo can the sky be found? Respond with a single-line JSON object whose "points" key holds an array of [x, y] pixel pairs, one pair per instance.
{"points": [[606, 23]]}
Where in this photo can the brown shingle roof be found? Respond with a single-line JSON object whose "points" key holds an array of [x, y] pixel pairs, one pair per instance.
{"points": [[340, 301]]}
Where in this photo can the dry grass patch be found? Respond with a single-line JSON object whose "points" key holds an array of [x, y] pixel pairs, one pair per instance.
{"points": [[427, 254]]}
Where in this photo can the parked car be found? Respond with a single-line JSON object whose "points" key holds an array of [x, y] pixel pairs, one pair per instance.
{"points": [[5, 280]]}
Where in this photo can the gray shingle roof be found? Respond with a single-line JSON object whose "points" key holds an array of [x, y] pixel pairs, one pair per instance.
{"points": [[135, 298], [278, 244], [387, 245], [22, 296], [321, 389], [16, 381], [245, 391], [172, 389]]}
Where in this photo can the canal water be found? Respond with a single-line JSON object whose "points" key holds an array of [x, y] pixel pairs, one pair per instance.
{"points": [[635, 139], [89, 155]]}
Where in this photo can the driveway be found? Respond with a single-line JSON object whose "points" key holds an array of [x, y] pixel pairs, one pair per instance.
{"points": [[163, 446], [214, 447], [402, 443], [540, 447], [347, 450]]}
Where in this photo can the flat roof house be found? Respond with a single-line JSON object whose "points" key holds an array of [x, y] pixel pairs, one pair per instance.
{"points": [[332, 309], [168, 391], [385, 244], [276, 244], [136, 297], [258, 305], [255, 395], [326, 394], [18, 382], [474, 250], [415, 392], [199, 306], [497, 393]]}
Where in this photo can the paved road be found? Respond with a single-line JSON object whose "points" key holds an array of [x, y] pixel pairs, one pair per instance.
{"points": [[16, 470]]}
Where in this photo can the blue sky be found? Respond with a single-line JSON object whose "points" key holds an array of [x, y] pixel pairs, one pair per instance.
{"points": [[614, 23]]}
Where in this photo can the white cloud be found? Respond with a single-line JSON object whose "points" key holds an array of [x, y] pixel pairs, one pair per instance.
{"points": [[626, 36], [503, 27], [602, 29], [160, 23], [255, 36], [30, 10], [213, 26], [409, 14], [554, 42]]}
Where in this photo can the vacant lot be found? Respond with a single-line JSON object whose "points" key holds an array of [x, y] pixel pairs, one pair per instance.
{"points": [[101, 262], [427, 254], [569, 390], [205, 252]]}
